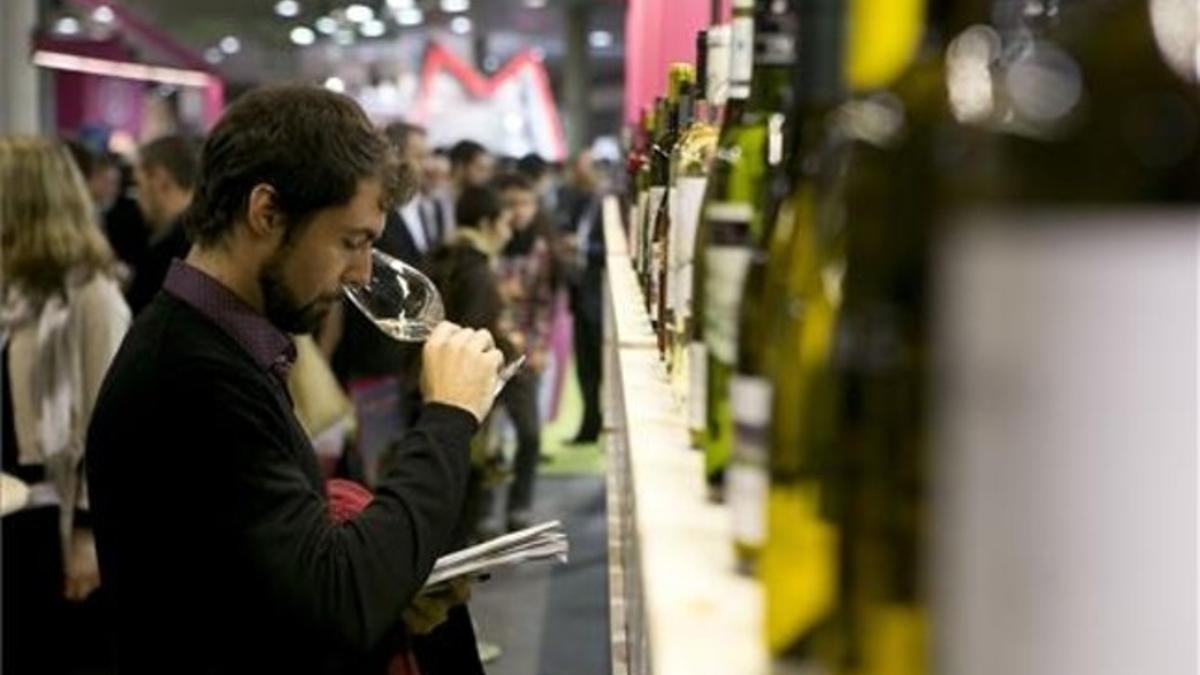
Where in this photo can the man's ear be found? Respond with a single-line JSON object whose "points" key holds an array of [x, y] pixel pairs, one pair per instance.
{"points": [[263, 218]]}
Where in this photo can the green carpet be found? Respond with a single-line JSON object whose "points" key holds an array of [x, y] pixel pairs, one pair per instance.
{"points": [[569, 460]]}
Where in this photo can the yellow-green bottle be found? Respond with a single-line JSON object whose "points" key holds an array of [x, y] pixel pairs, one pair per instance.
{"points": [[734, 219], [802, 564]]}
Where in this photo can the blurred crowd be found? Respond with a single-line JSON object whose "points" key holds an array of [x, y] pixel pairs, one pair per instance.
{"points": [[515, 245]]}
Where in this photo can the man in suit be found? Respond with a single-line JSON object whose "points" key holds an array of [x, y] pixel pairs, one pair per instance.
{"points": [[414, 229], [584, 259]]}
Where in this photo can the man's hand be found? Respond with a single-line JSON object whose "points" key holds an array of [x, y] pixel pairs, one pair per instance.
{"points": [[460, 368], [83, 572], [431, 606]]}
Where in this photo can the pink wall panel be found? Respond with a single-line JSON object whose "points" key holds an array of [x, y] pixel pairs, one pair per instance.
{"points": [[658, 32]]}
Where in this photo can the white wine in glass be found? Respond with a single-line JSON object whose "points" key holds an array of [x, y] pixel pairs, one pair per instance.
{"points": [[406, 305]]}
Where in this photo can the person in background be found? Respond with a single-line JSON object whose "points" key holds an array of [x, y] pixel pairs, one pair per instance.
{"points": [[471, 165], [463, 270], [214, 531], [413, 229], [368, 363], [166, 176], [105, 182], [537, 170], [120, 216], [438, 192], [583, 254], [62, 318], [123, 222], [526, 277]]}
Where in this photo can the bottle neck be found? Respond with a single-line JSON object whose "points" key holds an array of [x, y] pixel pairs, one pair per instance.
{"points": [[774, 59]]}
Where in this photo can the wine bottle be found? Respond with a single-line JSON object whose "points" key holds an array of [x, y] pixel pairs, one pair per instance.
{"points": [[636, 168], [734, 219], [725, 160], [720, 88], [689, 174], [750, 390], [683, 82]]}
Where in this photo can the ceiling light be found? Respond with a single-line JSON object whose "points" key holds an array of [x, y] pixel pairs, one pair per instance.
{"points": [[344, 37], [287, 8], [103, 14], [359, 13], [68, 25], [327, 25], [373, 28], [535, 4], [455, 6], [230, 44], [600, 39], [335, 84], [409, 17], [401, 4], [303, 36], [213, 55], [460, 25]]}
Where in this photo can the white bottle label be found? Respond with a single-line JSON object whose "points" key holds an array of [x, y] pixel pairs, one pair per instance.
{"points": [[725, 277], [741, 60], [639, 222], [746, 490], [717, 86], [697, 386], [674, 239], [1065, 442], [691, 198]]}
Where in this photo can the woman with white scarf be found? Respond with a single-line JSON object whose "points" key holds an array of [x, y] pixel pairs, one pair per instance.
{"points": [[62, 318]]}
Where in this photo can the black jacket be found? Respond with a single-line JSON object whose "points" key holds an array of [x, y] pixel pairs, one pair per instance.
{"points": [[470, 290], [587, 281], [151, 270], [217, 549]]}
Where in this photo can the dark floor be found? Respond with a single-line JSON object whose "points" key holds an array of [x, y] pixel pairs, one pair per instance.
{"points": [[553, 619]]}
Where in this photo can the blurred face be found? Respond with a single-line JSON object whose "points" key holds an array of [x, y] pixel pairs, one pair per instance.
{"points": [[500, 230], [523, 205], [104, 185], [437, 172], [150, 190], [416, 149], [582, 171], [479, 172], [302, 280]]}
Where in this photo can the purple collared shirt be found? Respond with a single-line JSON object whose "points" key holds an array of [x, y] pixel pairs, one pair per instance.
{"points": [[271, 348]]}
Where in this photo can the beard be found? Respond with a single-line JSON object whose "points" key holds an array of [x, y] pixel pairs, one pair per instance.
{"points": [[281, 306]]}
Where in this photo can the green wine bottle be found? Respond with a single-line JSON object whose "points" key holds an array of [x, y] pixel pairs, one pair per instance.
{"points": [[734, 219]]}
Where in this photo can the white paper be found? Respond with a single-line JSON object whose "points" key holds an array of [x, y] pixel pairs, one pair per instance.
{"points": [[546, 541]]}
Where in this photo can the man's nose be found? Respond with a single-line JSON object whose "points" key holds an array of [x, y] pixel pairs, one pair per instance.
{"points": [[359, 272]]}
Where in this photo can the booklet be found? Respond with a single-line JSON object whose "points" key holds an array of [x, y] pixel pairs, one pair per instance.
{"points": [[546, 541]]}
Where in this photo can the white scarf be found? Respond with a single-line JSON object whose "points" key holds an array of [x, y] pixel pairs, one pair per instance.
{"points": [[56, 382]]}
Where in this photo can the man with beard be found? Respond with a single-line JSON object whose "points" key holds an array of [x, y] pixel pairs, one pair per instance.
{"points": [[215, 539]]}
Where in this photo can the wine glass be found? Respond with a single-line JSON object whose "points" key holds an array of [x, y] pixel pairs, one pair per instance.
{"points": [[404, 304]]}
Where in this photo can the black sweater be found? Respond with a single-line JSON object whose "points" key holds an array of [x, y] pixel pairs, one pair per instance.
{"points": [[216, 545]]}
